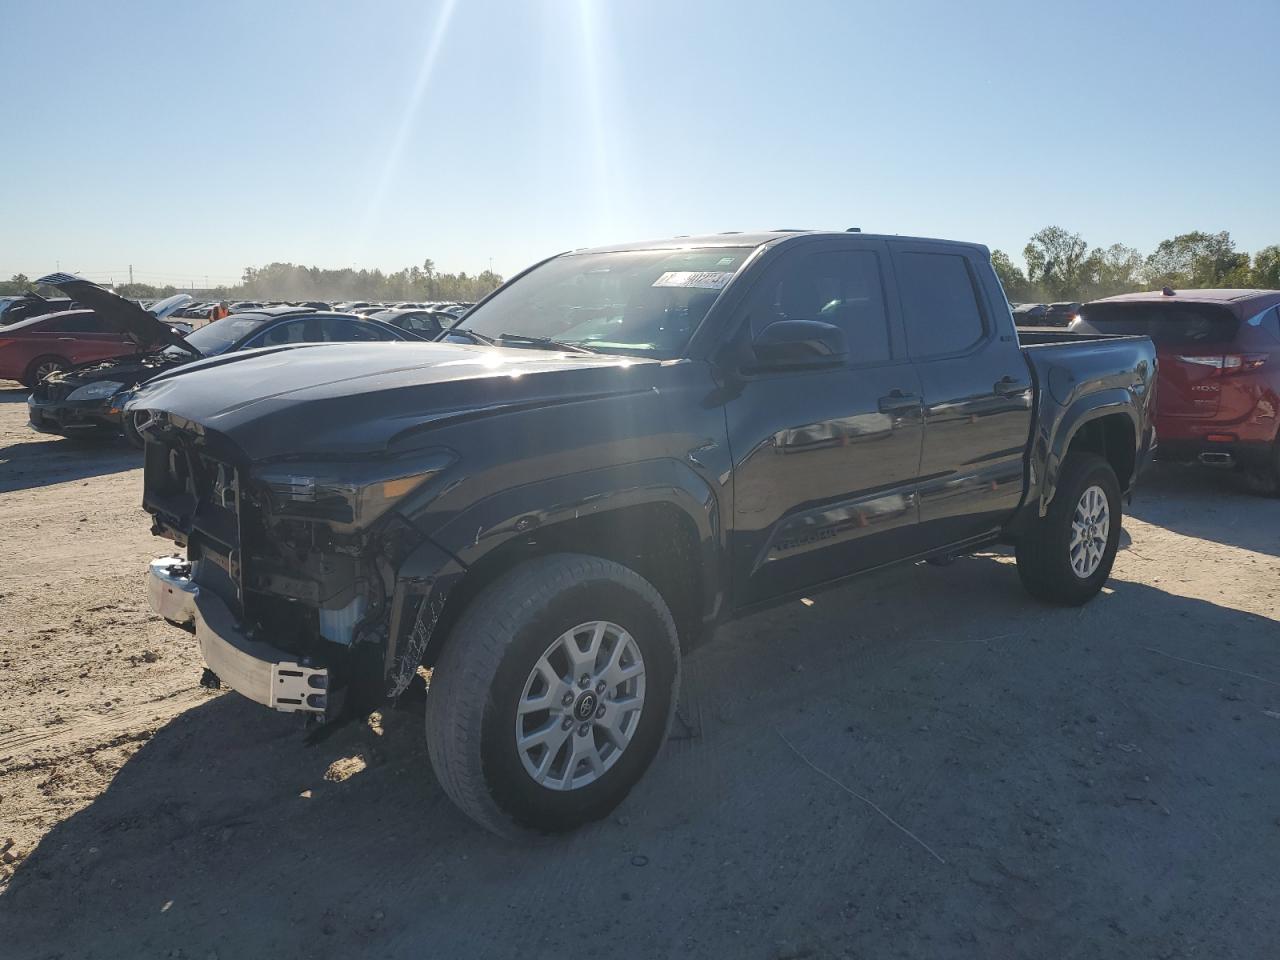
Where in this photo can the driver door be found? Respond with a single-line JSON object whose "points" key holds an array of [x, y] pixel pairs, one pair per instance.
{"points": [[826, 461]]}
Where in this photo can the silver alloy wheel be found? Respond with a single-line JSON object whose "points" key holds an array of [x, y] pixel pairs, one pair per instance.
{"points": [[1089, 530], [580, 705], [47, 368]]}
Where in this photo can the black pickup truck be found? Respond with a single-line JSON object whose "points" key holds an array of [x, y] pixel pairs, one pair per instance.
{"points": [[613, 453]]}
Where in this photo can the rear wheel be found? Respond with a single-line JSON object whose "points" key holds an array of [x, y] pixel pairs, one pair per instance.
{"points": [[42, 367], [1067, 556], [553, 695]]}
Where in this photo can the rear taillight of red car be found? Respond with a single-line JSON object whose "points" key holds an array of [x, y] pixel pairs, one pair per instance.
{"points": [[1227, 364]]}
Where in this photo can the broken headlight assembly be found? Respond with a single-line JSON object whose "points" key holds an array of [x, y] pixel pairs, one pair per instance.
{"points": [[96, 391], [347, 494]]}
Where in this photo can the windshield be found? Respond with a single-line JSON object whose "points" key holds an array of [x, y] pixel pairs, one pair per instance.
{"points": [[1164, 323], [643, 301], [214, 338]]}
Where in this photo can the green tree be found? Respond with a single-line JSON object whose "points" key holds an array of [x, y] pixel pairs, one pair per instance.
{"points": [[1014, 281], [1266, 268], [1060, 263], [19, 283], [1198, 259], [1120, 269]]}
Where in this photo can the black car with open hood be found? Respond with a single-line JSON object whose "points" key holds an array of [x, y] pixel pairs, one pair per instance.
{"points": [[88, 400], [125, 316]]}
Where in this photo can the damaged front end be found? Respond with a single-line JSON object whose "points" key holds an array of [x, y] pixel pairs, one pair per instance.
{"points": [[305, 586]]}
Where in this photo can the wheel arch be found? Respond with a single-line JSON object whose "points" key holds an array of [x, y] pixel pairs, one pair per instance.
{"points": [[658, 518], [1104, 423], [29, 373]]}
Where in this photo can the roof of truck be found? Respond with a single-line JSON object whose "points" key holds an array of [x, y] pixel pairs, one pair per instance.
{"points": [[752, 239]]}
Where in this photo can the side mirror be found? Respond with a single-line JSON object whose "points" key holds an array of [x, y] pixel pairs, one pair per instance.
{"points": [[795, 344]]}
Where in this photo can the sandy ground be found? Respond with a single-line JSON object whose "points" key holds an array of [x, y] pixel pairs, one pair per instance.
{"points": [[1102, 782]]}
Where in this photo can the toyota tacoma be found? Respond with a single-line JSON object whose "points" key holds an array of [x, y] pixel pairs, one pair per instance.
{"points": [[615, 452]]}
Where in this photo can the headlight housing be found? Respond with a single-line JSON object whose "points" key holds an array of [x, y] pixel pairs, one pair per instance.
{"points": [[96, 391], [347, 495]]}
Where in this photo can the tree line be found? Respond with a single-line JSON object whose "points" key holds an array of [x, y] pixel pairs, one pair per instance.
{"points": [[289, 281], [1061, 265]]}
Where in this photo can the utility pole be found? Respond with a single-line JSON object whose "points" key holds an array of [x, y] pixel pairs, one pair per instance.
{"points": [[131, 274]]}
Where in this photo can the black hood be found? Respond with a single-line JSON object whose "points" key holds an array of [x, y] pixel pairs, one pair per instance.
{"points": [[362, 399], [123, 316]]}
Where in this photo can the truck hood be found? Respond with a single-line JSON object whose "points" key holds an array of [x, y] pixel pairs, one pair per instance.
{"points": [[124, 316], [369, 399]]}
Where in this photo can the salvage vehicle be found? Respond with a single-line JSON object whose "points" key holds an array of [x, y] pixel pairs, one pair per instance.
{"points": [[613, 453], [31, 305], [87, 401], [426, 322], [47, 344], [1218, 395]]}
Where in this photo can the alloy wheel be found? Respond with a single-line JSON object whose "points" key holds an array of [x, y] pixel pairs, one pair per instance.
{"points": [[580, 705], [1089, 530]]}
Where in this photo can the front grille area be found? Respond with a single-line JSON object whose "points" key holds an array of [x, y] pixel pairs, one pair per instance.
{"points": [[53, 391]]}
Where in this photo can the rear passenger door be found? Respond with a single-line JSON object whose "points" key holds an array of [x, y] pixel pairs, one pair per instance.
{"points": [[976, 389]]}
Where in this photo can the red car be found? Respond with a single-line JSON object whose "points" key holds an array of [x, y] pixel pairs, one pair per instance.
{"points": [[1218, 388], [32, 349]]}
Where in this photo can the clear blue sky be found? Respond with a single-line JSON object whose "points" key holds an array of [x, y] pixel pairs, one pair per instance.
{"points": [[193, 139]]}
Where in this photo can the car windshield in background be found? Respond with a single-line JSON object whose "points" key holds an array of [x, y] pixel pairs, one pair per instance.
{"points": [[214, 338], [642, 301], [1165, 323]]}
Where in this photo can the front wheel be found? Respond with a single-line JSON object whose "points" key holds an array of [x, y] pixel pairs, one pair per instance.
{"points": [[553, 694], [1067, 555], [129, 425]]}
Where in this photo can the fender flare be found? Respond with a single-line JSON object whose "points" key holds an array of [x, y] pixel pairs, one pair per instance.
{"points": [[1082, 411], [489, 523], [440, 563]]}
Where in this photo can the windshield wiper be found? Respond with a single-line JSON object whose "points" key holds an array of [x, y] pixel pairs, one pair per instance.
{"points": [[543, 343]]}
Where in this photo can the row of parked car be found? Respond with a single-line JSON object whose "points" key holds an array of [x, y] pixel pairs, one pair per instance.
{"points": [[200, 309], [623, 448], [82, 363], [1060, 314]]}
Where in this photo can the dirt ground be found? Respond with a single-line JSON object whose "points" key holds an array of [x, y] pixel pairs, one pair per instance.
{"points": [[1102, 782]]}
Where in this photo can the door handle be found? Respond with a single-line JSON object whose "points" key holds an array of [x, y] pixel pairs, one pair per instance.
{"points": [[68, 339], [1010, 386], [897, 401]]}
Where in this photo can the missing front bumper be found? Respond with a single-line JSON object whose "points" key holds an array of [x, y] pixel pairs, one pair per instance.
{"points": [[259, 671]]}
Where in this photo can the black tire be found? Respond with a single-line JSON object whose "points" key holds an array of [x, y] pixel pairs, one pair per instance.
{"points": [[476, 685], [1044, 552], [41, 367]]}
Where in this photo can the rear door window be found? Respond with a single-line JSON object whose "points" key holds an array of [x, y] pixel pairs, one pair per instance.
{"points": [[939, 304], [1168, 324], [87, 323], [338, 330]]}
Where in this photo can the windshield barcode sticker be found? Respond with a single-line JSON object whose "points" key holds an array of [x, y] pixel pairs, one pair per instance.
{"points": [[709, 280]]}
